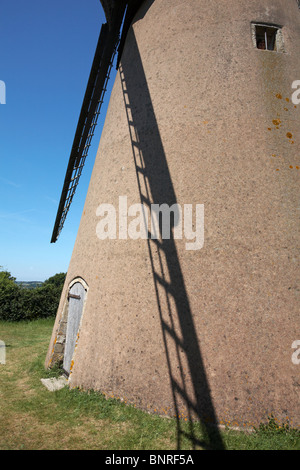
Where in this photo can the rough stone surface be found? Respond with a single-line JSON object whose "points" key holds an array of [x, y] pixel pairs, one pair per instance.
{"points": [[204, 334], [54, 384]]}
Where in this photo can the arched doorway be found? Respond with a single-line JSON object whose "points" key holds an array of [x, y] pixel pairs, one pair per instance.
{"points": [[76, 297]]}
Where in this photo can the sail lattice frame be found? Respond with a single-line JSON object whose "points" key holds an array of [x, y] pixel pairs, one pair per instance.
{"points": [[90, 110]]}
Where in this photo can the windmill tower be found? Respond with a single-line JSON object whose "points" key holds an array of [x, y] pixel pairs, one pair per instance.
{"points": [[201, 113]]}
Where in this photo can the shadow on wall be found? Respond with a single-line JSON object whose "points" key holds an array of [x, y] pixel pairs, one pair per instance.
{"points": [[176, 321]]}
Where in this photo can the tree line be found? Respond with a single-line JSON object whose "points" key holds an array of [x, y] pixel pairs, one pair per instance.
{"points": [[19, 303]]}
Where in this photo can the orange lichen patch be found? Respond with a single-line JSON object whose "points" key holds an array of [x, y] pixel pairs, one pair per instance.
{"points": [[291, 167], [286, 109], [277, 169], [72, 364], [287, 100], [269, 129], [289, 135], [279, 96], [204, 122], [297, 167], [276, 122]]}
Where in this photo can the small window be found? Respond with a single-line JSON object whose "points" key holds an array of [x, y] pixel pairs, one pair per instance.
{"points": [[267, 37]]}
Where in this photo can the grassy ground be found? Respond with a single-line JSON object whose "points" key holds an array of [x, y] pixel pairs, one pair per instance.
{"points": [[31, 417]]}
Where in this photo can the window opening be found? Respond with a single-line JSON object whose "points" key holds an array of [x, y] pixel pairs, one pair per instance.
{"points": [[267, 37]]}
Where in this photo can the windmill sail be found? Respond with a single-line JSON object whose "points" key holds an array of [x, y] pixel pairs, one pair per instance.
{"points": [[93, 99]]}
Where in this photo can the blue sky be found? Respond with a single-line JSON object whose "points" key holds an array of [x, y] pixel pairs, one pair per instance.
{"points": [[46, 52]]}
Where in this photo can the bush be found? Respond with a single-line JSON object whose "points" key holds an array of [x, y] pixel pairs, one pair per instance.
{"points": [[57, 280], [17, 303], [11, 302]]}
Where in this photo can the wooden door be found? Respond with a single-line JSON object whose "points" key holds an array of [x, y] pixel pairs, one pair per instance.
{"points": [[76, 301]]}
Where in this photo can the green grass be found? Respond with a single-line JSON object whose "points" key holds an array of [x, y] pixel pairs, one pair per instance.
{"points": [[33, 418]]}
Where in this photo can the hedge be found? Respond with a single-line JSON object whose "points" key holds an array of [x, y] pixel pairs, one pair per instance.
{"points": [[18, 303]]}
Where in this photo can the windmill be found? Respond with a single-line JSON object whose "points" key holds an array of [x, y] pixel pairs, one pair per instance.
{"points": [[200, 114]]}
